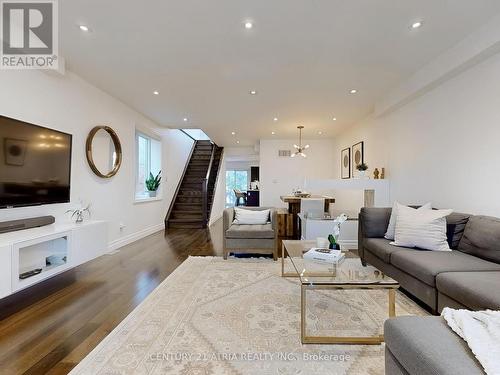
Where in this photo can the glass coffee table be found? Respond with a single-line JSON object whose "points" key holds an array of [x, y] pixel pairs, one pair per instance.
{"points": [[349, 274]]}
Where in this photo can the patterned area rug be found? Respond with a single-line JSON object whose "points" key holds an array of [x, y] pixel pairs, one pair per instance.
{"points": [[240, 317]]}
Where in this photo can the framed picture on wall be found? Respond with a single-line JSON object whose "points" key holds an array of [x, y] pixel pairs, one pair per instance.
{"points": [[15, 151], [345, 168], [358, 155]]}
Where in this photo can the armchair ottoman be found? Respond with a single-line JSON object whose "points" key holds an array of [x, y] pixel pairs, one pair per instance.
{"points": [[250, 238]]}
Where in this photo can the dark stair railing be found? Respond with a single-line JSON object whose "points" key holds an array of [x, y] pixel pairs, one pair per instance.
{"points": [[214, 177], [204, 188]]}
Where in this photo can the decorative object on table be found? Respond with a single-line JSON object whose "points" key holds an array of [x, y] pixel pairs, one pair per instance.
{"points": [[362, 168], [322, 255], [300, 149], [15, 151], [382, 174], [104, 151], [334, 237], [358, 155], [322, 242], [333, 243], [345, 157], [153, 183], [301, 194], [79, 213], [376, 174]]}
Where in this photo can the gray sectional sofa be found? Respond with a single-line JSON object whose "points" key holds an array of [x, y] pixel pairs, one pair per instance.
{"points": [[426, 346], [467, 277]]}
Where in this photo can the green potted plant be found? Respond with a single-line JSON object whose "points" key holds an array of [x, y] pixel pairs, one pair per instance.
{"points": [[153, 183], [362, 169]]}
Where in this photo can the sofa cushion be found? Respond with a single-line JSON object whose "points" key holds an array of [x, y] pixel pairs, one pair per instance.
{"points": [[482, 238], [374, 221], [250, 231], [455, 226], [250, 217], [381, 248], [426, 265], [425, 346], [421, 228], [476, 290]]}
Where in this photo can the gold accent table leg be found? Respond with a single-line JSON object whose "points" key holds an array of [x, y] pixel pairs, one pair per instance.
{"points": [[282, 260], [302, 313], [367, 340], [392, 303]]}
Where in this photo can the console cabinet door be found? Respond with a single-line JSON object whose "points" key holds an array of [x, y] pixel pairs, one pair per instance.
{"points": [[5, 271], [89, 241]]}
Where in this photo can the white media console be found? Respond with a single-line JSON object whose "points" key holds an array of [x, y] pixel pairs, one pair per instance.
{"points": [[50, 250]]}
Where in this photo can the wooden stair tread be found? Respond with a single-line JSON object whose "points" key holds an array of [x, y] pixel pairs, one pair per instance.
{"points": [[185, 220]]}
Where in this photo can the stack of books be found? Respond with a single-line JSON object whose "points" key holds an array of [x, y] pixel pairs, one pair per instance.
{"points": [[322, 255]]}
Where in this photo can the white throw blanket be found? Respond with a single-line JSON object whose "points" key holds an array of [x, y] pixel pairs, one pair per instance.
{"points": [[481, 331]]}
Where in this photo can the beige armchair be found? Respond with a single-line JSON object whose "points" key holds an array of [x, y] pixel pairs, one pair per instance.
{"points": [[245, 238]]}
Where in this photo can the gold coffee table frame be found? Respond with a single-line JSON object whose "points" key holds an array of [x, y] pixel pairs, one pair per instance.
{"points": [[389, 284]]}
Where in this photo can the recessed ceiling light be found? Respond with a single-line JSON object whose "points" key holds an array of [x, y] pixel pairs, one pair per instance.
{"points": [[320, 132], [238, 142], [273, 133], [353, 91], [248, 25], [185, 119], [335, 119], [84, 28], [416, 25], [275, 119], [253, 92], [233, 133], [156, 92]]}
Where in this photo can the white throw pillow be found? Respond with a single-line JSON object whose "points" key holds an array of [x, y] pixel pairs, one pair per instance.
{"points": [[425, 229], [242, 216], [391, 229]]}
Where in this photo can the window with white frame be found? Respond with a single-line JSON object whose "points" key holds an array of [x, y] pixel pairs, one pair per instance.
{"points": [[148, 159]]}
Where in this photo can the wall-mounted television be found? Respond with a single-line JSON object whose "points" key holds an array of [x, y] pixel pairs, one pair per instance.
{"points": [[35, 164]]}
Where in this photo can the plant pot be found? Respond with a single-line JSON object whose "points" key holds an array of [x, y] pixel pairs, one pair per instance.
{"points": [[361, 174], [152, 194]]}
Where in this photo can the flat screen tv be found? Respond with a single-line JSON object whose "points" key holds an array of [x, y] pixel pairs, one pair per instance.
{"points": [[35, 164]]}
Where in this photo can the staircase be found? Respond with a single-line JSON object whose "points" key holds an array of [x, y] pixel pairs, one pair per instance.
{"points": [[193, 201]]}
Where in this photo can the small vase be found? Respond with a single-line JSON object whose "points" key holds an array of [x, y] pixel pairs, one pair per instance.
{"points": [[79, 218], [152, 193]]}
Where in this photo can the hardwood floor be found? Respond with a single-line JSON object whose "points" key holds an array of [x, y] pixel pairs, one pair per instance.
{"points": [[52, 334]]}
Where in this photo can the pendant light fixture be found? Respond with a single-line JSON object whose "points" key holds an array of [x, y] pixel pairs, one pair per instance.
{"points": [[300, 149]]}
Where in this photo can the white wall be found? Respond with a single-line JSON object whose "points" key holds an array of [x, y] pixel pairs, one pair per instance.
{"points": [[443, 146], [72, 105], [279, 175]]}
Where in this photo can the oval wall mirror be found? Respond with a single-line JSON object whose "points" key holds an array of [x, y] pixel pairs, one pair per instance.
{"points": [[104, 151]]}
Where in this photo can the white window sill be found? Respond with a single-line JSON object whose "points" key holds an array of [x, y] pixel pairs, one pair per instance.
{"points": [[146, 199]]}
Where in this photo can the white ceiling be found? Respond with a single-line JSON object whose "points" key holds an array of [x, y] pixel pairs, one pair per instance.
{"points": [[302, 56]]}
